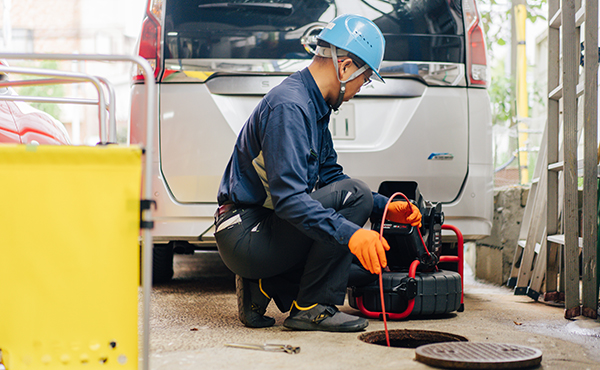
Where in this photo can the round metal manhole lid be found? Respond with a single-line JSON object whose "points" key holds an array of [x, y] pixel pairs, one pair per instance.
{"points": [[473, 355]]}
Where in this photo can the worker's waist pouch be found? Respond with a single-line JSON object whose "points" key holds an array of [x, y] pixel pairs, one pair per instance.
{"points": [[232, 215], [227, 215]]}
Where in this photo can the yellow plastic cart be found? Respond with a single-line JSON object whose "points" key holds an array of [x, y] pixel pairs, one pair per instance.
{"points": [[70, 221], [69, 256]]}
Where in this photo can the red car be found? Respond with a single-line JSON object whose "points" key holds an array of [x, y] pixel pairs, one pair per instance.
{"points": [[20, 123]]}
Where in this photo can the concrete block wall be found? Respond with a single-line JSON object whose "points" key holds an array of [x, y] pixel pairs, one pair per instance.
{"points": [[492, 257]]}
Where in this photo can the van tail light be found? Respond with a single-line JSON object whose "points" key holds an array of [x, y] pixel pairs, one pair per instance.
{"points": [[476, 50], [149, 46]]}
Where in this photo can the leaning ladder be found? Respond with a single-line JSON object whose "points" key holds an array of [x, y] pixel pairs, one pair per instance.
{"points": [[565, 24], [561, 252], [551, 219]]}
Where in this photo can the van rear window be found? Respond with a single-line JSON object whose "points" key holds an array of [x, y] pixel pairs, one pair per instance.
{"points": [[415, 30]]}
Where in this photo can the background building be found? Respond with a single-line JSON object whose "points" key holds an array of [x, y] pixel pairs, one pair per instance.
{"points": [[76, 26]]}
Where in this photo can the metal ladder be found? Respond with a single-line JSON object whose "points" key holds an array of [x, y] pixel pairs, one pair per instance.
{"points": [[533, 230], [571, 106]]}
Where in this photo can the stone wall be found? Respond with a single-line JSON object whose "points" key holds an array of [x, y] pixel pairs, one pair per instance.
{"points": [[494, 255]]}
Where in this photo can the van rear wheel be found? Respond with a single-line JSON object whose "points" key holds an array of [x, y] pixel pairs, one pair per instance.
{"points": [[162, 263]]}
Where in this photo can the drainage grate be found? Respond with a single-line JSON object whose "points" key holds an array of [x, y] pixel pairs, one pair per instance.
{"points": [[472, 355]]}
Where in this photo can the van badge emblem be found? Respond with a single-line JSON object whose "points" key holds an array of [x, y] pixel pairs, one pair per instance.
{"points": [[441, 156]]}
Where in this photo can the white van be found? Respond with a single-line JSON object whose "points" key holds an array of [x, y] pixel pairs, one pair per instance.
{"points": [[430, 122]]}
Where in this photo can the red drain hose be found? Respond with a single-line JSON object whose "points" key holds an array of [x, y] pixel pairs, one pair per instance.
{"points": [[412, 273]]}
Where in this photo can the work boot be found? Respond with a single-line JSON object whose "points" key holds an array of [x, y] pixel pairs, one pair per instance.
{"points": [[252, 304], [323, 318]]}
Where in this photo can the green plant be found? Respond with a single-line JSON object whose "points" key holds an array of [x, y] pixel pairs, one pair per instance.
{"points": [[496, 20], [500, 90], [48, 91]]}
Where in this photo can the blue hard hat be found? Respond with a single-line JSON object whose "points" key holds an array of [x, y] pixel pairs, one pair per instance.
{"points": [[358, 35]]}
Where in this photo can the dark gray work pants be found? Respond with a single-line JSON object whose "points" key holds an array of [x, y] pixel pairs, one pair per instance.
{"points": [[293, 266]]}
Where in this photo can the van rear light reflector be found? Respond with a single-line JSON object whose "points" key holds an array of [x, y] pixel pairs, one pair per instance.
{"points": [[478, 61], [149, 46], [476, 49], [155, 8]]}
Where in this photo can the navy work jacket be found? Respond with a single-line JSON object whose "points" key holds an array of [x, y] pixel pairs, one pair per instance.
{"points": [[284, 152]]}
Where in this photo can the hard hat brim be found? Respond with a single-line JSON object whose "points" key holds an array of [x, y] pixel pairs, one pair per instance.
{"points": [[376, 76]]}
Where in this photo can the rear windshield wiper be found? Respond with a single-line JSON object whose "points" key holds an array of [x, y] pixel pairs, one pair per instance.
{"points": [[280, 8]]}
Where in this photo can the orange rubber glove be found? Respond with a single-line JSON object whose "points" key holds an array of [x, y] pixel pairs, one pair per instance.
{"points": [[365, 245], [404, 213]]}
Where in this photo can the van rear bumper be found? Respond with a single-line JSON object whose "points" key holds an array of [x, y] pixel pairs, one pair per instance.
{"points": [[175, 221]]}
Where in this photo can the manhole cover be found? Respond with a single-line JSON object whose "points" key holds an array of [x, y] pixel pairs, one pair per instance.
{"points": [[472, 355]]}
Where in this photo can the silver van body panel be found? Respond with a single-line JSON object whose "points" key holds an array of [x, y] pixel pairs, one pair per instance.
{"points": [[198, 130], [427, 123], [392, 139]]}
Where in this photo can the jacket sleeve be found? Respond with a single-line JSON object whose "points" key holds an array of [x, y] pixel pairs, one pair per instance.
{"points": [[379, 202], [289, 156]]}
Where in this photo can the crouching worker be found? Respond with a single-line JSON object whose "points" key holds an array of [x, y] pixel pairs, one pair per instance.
{"points": [[289, 220]]}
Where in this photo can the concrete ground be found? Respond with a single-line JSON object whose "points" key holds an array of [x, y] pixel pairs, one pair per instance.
{"points": [[194, 316]]}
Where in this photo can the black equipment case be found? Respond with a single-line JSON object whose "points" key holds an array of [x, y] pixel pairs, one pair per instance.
{"points": [[412, 284]]}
